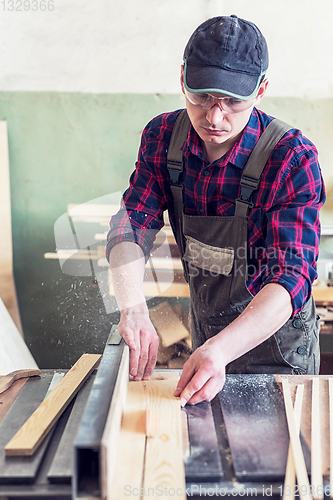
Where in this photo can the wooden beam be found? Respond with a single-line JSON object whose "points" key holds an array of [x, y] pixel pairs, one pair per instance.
{"points": [[131, 446], [110, 436], [32, 433], [301, 472], [290, 477]]}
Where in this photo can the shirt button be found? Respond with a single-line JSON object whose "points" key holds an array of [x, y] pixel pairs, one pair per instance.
{"points": [[301, 349], [297, 323], [206, 172], [202, 211]]}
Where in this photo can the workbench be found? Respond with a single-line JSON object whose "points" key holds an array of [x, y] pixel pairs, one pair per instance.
{"points": [[237, 445]]}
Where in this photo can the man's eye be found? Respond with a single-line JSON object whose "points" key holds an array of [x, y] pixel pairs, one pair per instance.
{"points": [[233, 102]]}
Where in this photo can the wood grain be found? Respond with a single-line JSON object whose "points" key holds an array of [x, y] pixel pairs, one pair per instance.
{"points": [[301, 472], [131, 446], [164, 466], [32, 433], [290, 477]]}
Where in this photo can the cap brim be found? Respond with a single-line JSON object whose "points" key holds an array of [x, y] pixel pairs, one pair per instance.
{"points": [[213, 79]]}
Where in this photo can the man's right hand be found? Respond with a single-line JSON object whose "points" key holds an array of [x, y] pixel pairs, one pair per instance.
{"points": [[141, 337]]}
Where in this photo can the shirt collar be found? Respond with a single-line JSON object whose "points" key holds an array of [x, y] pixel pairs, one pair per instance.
{"points": [[241, 150]]}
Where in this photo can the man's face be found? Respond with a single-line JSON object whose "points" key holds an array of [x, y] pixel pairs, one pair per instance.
{"points": [[219, 130]]}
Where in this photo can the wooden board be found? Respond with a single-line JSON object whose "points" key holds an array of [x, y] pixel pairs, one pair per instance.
{"points": [[130, 466], [301, 471], [6, 381], [149, 459], [294, 381], [8, 397], [32, 433], [164, 466], [168, 325], [110, 436], [14, 353]]}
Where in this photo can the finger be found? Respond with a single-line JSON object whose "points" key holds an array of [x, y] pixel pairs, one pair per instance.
{"points": [[143, 356], [153, 348], [129, 338], [198, 380], [207, 392], [187, 374]]}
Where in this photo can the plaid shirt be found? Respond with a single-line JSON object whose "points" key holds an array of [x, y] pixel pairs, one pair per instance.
{"points": [[283, 225]]}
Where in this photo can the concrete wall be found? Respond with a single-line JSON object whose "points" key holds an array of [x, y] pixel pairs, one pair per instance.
{"points": [[77, 85]]}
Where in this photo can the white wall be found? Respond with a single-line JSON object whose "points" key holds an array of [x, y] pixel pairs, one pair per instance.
{"points": [[136, 46]]}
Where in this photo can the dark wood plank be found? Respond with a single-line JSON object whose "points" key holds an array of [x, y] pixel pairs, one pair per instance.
{"points": [[255, 419], [204, 461], [8, 397], [22, 469]]}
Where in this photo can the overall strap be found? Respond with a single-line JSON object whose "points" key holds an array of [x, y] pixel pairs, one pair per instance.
{"points": [[250, 179], [175, 168]]}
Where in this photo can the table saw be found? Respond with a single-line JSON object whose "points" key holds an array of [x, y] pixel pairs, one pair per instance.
{"points": [[237, 445]]}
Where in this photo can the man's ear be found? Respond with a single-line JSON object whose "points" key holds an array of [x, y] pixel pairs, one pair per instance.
{"points": [[261, 91], [182, 78]]}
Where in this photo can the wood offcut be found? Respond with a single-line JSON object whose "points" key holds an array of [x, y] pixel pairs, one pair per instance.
{"points": [[32, 433]]}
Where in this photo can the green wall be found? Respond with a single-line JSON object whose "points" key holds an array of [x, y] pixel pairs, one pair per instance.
{"points": [[72, 148]]}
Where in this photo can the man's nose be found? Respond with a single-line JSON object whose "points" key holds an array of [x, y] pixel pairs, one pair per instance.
{"points": [[216, 113]]}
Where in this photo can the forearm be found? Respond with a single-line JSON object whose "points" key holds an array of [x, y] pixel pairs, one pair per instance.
{"points": [[266, 313], [127, 267]]}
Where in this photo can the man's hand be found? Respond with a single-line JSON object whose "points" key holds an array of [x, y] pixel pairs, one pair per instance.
{"points": [[141, 337], [203, 374]]}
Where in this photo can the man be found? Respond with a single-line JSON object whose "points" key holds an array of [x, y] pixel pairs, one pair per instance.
{"points": [[249, 242]]}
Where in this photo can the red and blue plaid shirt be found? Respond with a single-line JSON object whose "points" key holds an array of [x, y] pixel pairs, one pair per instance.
{"points": [[283, 225]]}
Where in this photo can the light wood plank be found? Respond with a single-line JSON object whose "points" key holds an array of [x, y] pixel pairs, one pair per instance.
{"points": [[109, 442], [330, 388], [32, 433], [14, 352], [290, 477], [301, 472], [316, 460], [164, 466], [167, 324], [131, 446]]}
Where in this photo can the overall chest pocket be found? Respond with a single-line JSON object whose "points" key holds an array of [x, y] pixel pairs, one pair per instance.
{"points": [[215, 260]]}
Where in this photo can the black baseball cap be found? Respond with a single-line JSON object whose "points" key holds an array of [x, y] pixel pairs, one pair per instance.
{"points": [[226, 55]]}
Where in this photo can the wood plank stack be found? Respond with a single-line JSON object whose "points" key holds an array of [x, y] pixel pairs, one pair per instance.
{"points": [[171, 324]]}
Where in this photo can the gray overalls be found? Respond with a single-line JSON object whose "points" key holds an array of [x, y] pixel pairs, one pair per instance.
{"points": [[215, 267]]}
